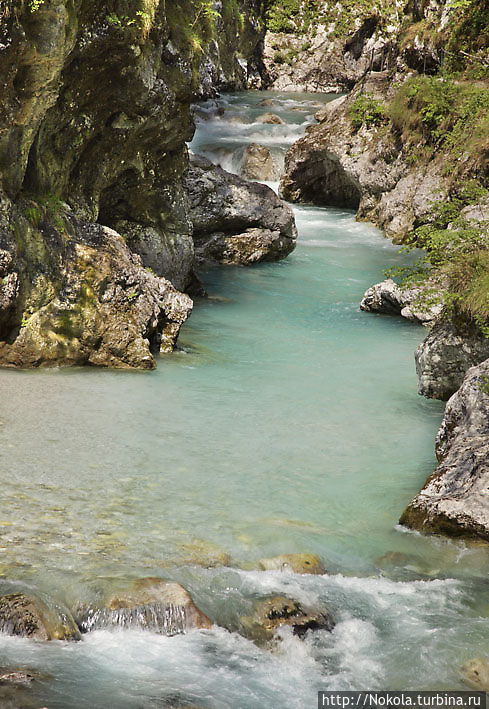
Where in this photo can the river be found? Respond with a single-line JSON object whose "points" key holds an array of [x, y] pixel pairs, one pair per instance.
{"points": [[287, 421]]}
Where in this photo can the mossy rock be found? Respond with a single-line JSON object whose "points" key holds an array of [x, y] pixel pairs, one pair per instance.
{"points": [[274, 613], [297, 563], [27, 616]]}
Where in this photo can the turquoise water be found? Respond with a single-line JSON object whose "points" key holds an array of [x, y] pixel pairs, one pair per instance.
{"points": [[287, 421]]}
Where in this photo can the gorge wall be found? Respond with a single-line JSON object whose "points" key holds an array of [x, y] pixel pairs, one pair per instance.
{"points": [[93, 122]]}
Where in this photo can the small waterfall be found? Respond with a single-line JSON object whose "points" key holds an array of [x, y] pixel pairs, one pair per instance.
{"points": [[166, 619]]}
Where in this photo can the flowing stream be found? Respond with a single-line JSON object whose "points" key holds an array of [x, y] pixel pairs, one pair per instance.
{"points": [[287, 421]]}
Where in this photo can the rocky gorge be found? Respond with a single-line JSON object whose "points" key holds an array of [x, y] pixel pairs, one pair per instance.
{"points": [[109, 224]]}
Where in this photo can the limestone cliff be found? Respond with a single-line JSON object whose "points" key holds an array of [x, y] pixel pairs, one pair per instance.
{"points": [[94, 115], [311, 46]]}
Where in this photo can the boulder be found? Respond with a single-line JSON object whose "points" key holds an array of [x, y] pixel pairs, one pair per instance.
{"points": [[269, 118], [475, 674], [445, 355], [257, 163], [297, 563], [28, 616], [274, 613], [266, 102], [454, 499], [235, 221], [94, 304], [390, 299], [150, 603]]}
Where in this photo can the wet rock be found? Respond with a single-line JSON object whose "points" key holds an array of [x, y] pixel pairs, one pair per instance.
{"points": [[445, 355], [475, 674], [17, 677], [257, 163], [454, 499], [150, 603], [274, 613], [28, 616], [297, 563], [235, 221], [266, 102], [390, 299], [269, 118]]}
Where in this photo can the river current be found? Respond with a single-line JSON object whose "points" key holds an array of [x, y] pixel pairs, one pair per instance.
{"points": [[287, 421]]}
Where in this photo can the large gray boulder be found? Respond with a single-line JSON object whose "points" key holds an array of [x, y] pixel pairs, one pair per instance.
{"points": [[445, 355], [235, 221], [455, 498]]}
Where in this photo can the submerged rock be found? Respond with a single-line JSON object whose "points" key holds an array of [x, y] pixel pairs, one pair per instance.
{"points": [[445, 355], [150, 603], [454, 499], [390, 299], [274, 613], [269, 118], [28, 616], [235, 221], [297, 563], [257, 163], [475, 673]]}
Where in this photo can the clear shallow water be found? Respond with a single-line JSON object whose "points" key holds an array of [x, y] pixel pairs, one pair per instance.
{"points": [[287, 421]]}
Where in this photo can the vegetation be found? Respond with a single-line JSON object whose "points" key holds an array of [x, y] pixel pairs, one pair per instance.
{"points": [[367, 110], [303, 16]]}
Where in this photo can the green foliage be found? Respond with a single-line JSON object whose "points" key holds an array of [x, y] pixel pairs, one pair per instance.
{"points": [[34, 5], [454, 254], [441, 113], [367, 110], [302, 17]]}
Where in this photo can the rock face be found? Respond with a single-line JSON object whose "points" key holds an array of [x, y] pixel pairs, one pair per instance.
{"points": [[235, 221], [29, 617], [297, 563], [445, 355], [83, 298], [338, 164], [257, 163], [274, 613], [94, 117], [334, 49], [233, 58], [149, 603], [454, 499], [390, 299]]}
